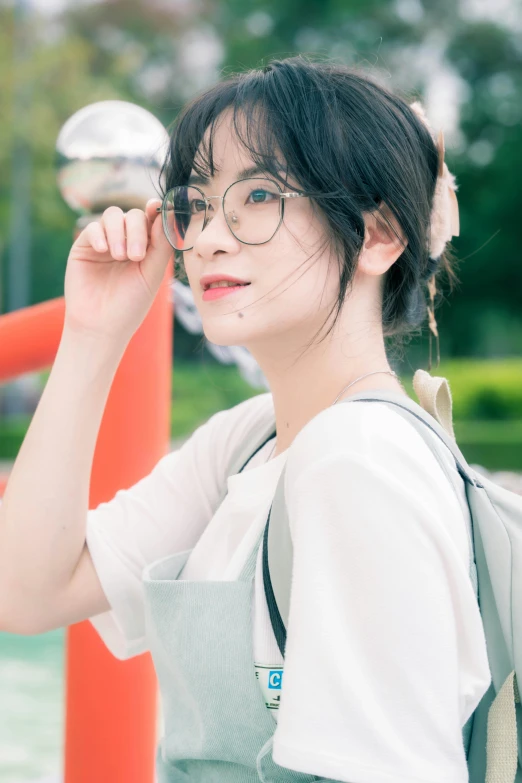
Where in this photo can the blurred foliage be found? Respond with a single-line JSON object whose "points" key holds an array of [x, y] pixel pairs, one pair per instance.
{"points": [[159, 54], [481, 389], [200, 390], [12, 434], [487, 406]]}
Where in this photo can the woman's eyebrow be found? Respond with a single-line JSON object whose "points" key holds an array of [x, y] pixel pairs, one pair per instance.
{"points": [[252, 171], [197, 179]]}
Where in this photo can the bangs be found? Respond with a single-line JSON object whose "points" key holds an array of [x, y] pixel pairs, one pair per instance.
{"points": [[253, 123]]}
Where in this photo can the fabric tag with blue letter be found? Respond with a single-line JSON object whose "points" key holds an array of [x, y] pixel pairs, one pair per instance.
{"points": [[270, 679]]}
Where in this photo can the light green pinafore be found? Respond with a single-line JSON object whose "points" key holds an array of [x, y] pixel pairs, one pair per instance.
{"points": [[217, 727]]}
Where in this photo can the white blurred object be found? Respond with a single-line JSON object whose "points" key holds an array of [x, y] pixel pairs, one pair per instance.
{"points": [[110, 152]]}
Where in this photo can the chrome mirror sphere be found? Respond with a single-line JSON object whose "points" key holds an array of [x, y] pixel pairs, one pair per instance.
{"points": [[110, 153]]}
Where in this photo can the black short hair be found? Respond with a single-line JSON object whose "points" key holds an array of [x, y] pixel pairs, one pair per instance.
{"points": [[347, 139]]}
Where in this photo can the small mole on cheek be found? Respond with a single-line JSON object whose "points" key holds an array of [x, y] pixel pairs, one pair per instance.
{"points": [[240, 315]]}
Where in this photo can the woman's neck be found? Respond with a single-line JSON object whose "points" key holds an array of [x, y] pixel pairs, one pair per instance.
{"points": [[302, 389]]}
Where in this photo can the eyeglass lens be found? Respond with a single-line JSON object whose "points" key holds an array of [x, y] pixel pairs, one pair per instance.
{"points": [[252, 210]]}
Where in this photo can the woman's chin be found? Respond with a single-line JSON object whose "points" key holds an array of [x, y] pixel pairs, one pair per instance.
{"points": [[225, 337]]}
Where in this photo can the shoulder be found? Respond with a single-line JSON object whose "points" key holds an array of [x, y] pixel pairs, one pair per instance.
{"points": [[360, 428], [364, 460], [372, 434]]}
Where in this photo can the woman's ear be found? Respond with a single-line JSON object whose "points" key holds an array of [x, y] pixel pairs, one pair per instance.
{"points": [[384, 241]]}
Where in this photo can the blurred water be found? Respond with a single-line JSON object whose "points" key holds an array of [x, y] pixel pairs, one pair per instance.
{"points": [[31, 707], [32, 699]]}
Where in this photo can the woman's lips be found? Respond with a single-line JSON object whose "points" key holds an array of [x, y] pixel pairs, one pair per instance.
{"points": [[218, 293]]}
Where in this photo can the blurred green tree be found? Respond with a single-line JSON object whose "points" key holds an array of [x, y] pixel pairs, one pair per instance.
{"points": [[467, 67]]}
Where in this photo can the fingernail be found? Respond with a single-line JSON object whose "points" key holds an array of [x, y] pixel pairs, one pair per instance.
{"points": [[136, 250], [100, 246]]}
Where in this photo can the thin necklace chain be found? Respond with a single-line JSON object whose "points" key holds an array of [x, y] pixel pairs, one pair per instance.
{"points": [[387, 372]]}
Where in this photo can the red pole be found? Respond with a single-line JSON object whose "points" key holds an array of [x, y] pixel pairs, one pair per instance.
{"points": [[111, 705]]}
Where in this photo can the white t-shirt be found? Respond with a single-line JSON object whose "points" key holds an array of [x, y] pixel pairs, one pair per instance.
{"points": [[385, 656]]}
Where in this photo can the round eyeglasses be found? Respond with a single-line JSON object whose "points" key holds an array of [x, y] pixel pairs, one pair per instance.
{"points": [[253, 209]]}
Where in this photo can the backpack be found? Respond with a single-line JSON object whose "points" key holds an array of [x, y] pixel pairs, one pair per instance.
{"points": [[492, 736]]}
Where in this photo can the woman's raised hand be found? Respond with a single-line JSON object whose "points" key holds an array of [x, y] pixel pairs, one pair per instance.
{"points": [[114, 270]]}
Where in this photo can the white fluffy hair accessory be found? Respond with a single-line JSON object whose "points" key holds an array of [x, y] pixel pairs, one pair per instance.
{"points": [[444, 222]]}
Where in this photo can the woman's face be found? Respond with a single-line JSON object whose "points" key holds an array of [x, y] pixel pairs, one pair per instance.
{"points": [[292, 287]]}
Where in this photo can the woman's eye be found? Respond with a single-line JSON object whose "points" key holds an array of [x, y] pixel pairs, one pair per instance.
{"points": [[260, 197], [196, 206]]}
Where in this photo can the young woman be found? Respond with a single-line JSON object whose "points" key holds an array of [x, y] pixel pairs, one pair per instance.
{"points": [[312, 188]]}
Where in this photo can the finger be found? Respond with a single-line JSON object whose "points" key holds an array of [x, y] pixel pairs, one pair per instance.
{"points": [[158, 239], [136, 227], [157, 234], [151, 211], [114, 224], [95, 235]]}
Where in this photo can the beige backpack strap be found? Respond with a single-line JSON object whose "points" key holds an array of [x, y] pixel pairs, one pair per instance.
{"points": [[501, 743], [434, 396]]}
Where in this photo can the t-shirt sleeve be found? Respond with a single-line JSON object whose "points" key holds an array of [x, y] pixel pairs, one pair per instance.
{"points": [[164, 513], [385, 657]]}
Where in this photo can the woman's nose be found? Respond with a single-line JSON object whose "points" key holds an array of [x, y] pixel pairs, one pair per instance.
{"points": [[231, 216], [216, 235]]}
